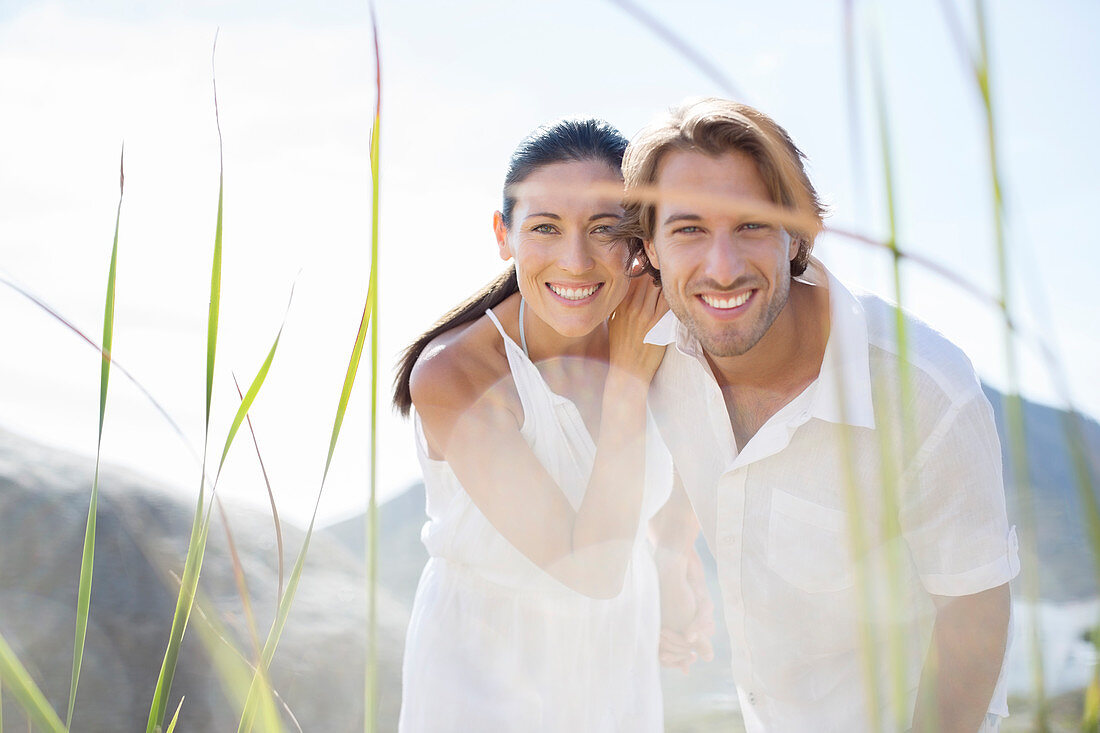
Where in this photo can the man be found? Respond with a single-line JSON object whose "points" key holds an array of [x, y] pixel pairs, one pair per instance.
{"points": [[842, 461]]}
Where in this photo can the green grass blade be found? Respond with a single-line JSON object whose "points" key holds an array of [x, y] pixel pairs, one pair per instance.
{"points": [[1014, 409], [184, 602], [283, 612], [270, 493], [176, 716], [84, 593], [857, 530], [24, 689], [234, 670], [197, 543], [249, 398], [216, 270], [193, 567], [899, 683], [371, 676], [233, 675]]}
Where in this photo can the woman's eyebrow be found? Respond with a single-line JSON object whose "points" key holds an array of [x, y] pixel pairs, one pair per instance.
{"points": [[608, 215], [546, 214]]}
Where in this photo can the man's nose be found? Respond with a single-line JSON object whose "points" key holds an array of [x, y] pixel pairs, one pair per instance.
{"points": [[725, 261]]}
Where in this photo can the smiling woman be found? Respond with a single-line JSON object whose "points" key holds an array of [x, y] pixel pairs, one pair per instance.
{"points": [[538, 608]]}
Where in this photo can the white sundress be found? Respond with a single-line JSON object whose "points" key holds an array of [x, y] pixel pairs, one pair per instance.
{"points": [[495, 643]]}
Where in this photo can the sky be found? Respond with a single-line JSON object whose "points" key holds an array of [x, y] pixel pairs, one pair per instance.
{"points": [[462, 84]]}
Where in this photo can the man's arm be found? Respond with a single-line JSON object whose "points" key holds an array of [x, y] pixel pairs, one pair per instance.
{"points": [[963, 662], [955, 525], [687, 613]]}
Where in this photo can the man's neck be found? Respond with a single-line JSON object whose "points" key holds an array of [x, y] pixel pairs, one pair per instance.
{"points": [[758, 383]]}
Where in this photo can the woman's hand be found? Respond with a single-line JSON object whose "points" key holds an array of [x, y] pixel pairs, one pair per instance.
{"points": [[640, 310], [687, 612]]}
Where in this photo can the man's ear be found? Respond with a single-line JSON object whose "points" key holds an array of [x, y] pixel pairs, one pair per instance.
{"points": [[651, 253], [794, 244], [501, 232]]}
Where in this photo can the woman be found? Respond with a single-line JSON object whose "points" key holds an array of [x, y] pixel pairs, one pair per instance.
{"points": [[538, 609]]}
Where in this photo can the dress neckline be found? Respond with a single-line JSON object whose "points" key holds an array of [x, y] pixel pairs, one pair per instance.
{"points": [[525, 359]]}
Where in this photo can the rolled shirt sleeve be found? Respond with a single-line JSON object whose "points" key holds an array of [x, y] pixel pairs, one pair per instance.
{"points": [[953, 514]]}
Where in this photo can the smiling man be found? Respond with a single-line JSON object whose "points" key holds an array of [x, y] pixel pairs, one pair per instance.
{"points": [[842, 462]]}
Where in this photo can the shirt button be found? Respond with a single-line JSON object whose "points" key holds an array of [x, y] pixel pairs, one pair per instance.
{"points": [[752, 698], [729, 539]]}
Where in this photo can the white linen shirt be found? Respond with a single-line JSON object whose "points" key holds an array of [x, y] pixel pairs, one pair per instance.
{"points": [[843, 513]]}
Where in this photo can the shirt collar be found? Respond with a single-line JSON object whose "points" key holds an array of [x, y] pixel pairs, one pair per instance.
{"points": [[842, 391]]}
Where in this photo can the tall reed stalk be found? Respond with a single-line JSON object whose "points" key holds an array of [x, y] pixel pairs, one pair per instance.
{"points": [[87, 561], [371, 676], [22, 687], [197, 543], [366, 323], [203, 513], [890, 443], [1014, 412]]}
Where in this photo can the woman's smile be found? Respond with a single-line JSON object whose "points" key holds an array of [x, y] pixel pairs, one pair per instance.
{"points": [[575, 294]]}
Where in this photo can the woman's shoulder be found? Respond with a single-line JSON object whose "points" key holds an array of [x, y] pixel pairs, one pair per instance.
{"points": [[461, 366]]}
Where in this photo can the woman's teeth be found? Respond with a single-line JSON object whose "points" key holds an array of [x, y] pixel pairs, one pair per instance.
{"points": [[573, 293], [726, 303]]}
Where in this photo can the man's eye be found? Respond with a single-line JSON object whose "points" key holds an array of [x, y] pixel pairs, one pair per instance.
{"points": [[755, 226], [691, 229]]}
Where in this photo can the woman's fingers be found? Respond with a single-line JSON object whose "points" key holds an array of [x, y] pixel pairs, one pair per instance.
{"points": [[675, 650]]}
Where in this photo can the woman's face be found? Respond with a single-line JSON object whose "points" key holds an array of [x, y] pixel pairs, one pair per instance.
{"points": [[569, 272]]}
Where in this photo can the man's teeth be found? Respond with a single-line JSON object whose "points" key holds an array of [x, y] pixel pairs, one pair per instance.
{"points": [[574, 293], [726, 303]]}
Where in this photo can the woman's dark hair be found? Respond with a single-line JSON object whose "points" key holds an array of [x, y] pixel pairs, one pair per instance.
{"points": [[557, 142]]}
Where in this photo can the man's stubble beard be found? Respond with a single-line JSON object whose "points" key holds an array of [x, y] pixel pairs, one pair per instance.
{"points": [[738, 343]]}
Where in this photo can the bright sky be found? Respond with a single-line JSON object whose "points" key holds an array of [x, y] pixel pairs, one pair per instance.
{"points": [[463, 82]]}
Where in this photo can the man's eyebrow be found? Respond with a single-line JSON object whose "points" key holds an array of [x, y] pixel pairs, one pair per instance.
{"points": [[681, 217]]}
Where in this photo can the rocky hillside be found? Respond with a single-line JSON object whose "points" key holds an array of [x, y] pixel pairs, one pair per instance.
{"points": [[142, 536]]}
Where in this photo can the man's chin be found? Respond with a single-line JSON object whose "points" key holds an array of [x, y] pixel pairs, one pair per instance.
{"points": [[721, 343], [724, 348]]}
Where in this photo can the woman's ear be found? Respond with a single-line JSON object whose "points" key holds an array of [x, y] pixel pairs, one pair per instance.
{"points": [[501, 232]]}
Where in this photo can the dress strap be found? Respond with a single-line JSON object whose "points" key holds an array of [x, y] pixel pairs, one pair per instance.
{"points": [[496, 322], [504, 334], [522, 333]]}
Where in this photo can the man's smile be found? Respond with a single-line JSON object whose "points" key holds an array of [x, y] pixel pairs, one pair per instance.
{"points": [[727, 302]]}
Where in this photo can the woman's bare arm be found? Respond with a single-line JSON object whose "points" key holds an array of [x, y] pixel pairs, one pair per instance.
{"points": [[469, 415]]}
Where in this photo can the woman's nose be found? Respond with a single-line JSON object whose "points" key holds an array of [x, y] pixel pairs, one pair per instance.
{"points": [[577, 257]]}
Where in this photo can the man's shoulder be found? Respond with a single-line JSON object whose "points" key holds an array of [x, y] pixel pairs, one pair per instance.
{"points": [[934, 361]]}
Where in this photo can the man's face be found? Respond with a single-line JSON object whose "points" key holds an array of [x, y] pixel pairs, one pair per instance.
{"points": [[725, 271]]}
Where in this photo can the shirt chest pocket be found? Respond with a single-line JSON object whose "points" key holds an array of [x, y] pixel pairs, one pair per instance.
{"points": [[809, 544]]}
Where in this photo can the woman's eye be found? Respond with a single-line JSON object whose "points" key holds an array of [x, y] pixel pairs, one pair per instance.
{"points": [[602, 229], [544, 229]]}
